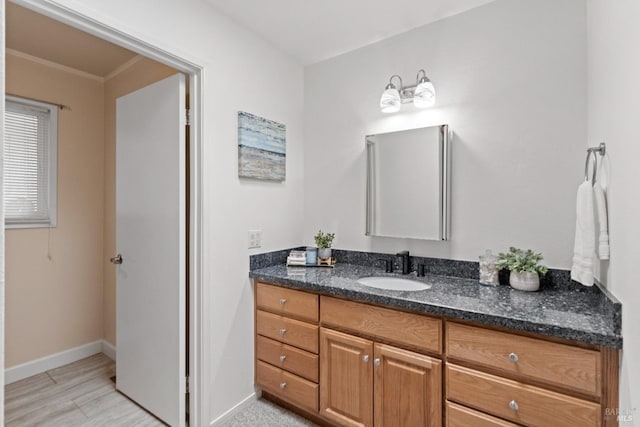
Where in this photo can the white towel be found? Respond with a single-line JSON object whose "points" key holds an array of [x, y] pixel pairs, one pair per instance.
{"points": [[582, 269], [600, 202]]}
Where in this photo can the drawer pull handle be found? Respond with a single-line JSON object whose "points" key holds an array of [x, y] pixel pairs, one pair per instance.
{"points": [[283, 358], [376, 362], [282, 301], [513, 405], [282, 331], [283, 385], [513, 357], [365, 358]]}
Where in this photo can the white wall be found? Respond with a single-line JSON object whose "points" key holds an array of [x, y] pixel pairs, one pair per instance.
{"points": [[510, 79], [614, 109], [242, 72]]}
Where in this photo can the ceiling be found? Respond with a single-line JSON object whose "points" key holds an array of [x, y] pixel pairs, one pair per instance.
{"points": [[314, 31], [37, 35], [309, 34]]}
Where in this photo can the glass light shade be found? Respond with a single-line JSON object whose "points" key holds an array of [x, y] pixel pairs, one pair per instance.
{"points": [[390, 100], [424, 95]]}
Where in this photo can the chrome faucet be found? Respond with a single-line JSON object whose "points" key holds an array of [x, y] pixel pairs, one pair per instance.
{"points": [[406, 265]]}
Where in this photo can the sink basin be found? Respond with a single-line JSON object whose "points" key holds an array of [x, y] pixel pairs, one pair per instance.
{"points": [[393, 283]]}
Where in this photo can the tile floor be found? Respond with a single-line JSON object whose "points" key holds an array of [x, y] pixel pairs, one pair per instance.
{"points": [[78, 394], [82, 394]]}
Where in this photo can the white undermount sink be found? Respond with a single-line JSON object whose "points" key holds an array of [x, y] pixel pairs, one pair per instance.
{"points": [[393, 283]]}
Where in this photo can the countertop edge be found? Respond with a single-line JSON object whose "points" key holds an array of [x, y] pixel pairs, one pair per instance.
{"points": [[613, 341]]}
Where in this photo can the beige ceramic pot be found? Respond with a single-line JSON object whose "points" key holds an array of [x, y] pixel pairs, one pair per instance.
{"points": [[524, 281]]}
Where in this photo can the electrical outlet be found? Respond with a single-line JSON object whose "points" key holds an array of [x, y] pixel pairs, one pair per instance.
{"points": [[255, 239]]}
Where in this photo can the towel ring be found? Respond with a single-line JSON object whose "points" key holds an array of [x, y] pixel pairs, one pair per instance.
{"points": [[586, 167]]}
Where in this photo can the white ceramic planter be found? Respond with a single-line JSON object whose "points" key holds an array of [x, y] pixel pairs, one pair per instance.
{"points": [[524, 281], [324, 253]]}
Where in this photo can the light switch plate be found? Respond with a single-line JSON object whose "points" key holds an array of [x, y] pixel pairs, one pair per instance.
{"points": [[255, 239]]}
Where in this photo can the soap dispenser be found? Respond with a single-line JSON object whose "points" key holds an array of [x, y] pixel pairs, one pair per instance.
{"points": [[489, 269]]}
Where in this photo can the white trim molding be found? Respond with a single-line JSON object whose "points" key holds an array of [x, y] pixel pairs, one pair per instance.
{"points": [[44, 364], [130, 63], [109, 350], [54, 65], [238, 408]]}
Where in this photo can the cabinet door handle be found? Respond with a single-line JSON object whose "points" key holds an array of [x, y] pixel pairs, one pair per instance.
{"points": [[513, 357], [282, 331], [283, 358], [282, 301], [376, 362], [283, 385], [514, 405], [365, 358]]}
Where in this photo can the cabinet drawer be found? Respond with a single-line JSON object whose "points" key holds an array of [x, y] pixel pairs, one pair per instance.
{"points": [[518, 402], [288, 331], [553, 363], [288, 302], [461, 416], [289, 358], [287, 386], [414, 330]]}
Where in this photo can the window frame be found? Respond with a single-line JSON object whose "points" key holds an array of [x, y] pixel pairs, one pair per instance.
{"points": [[52, 143]]}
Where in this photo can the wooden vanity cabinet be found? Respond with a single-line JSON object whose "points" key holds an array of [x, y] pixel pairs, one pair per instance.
{"points": [[348, 363], [526, 380], [346, 378], [286, 345], [406, 388], [364, 382], [461, 416]]}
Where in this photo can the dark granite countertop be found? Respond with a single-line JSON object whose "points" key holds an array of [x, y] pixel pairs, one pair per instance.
{"points": [[589, 317]]}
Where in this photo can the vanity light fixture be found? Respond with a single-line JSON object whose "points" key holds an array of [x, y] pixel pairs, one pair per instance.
{"points": [[422, 94]]}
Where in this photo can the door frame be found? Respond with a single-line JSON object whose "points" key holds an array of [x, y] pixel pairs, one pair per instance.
{"points": [[197, 322]]}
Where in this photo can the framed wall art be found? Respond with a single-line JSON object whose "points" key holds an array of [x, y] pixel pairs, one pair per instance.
{"points": [[261, 148]]}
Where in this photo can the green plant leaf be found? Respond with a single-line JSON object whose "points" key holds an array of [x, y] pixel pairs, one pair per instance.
{"points": [[323, 240], [521, 261]]}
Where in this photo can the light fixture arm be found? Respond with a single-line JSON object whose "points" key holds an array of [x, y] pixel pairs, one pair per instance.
{"points": [[424, 77], [391, 85]]}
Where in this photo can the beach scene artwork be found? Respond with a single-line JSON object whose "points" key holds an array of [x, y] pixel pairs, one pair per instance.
{"points": [[261, 148]]}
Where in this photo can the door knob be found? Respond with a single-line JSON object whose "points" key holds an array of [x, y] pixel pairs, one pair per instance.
{"points": [[116, 259]]}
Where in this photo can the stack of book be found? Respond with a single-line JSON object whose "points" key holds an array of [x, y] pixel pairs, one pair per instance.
{"points": [[297, 258]]}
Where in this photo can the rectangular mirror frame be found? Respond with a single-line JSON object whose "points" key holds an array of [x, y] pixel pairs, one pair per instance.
{"points": [[444, 186]]}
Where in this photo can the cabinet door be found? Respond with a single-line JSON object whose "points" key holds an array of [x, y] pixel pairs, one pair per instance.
{"points": [[346, 379], [408, 388]]}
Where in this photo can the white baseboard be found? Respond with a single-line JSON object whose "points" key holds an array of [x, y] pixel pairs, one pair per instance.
{"points": [[109, 350], [38, 366], [239, 407]]}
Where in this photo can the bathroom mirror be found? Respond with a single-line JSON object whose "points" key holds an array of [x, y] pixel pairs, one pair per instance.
{"points": [[408, 184]]}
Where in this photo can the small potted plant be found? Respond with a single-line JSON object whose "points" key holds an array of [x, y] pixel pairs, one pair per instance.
{"points": [[324, 241], [525, 268]]}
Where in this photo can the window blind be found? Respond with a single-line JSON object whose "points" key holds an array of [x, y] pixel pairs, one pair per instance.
{"points": [[29, 148]]}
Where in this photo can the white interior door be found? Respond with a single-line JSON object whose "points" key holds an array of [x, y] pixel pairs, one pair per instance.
{"points": [[150, 236]]}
